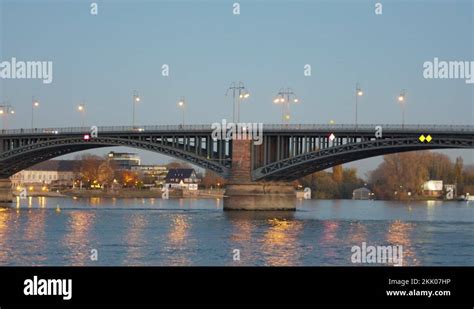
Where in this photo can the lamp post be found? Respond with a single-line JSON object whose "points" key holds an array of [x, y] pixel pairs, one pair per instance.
{"points": [[82, 109], [135, 99], [239, 93], [285, 97], [402, 100], [34, 104], [358, 94], [182, 106], [5, 111]]}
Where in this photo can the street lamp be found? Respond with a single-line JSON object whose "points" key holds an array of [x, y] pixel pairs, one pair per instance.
{"points": [[402, 100], [5, 111], [34, 104], [135, 99], [358, 93], [82, 109], [239, 92], [182, 106], [285, 97]]}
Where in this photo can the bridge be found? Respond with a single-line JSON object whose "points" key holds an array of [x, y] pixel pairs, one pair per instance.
{"points": [[286, 152]]}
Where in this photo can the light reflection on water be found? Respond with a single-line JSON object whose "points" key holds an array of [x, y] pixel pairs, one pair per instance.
{"points": [[178, 239], [199, 232], [77, 234]]}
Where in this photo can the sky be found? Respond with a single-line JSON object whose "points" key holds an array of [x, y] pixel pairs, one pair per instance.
{"points": [[101, 59]]}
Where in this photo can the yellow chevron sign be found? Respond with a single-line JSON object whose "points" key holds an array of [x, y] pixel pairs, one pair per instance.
{"points": [[427, 138]]}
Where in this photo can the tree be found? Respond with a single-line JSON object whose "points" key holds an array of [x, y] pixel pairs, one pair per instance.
{"points": [[212, 179], [458, 174], [406, 172], [399, 174], [337, 174], [349, 183], [88, 169], [106, 173], [178, 164]]}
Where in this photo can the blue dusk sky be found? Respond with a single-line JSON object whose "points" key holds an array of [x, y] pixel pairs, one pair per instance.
{"points": [[102, 58]]}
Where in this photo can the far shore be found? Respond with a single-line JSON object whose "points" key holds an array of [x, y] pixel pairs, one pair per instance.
{"points": [[204, 193]]}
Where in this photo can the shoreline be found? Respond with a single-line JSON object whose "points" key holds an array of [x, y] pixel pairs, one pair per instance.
{"points": [[173, 194], [129, 194]]}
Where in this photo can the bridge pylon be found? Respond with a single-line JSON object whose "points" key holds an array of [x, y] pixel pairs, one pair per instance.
{"points": [[242, 193], [6, 195]]}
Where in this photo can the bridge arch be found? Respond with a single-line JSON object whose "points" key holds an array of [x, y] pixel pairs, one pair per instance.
{"points": [[302, 165], [20, 158]]}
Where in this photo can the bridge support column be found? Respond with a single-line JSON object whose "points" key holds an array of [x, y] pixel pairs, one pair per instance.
{"points": [[6, 195], [244, 194]]}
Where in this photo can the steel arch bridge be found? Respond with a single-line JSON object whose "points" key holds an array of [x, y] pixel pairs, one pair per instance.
{"points": [[287, 152]]}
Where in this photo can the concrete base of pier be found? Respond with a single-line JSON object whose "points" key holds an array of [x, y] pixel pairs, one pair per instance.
{"points": [[6, 195], [260, 196]]}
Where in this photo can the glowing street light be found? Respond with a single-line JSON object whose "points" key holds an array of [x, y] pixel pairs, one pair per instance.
{"points": [[182, 106], [402, 100], [34, 104], [82, 109], [239, 92], [5, 111], [358, 93], [285, 97], [136, 99]]}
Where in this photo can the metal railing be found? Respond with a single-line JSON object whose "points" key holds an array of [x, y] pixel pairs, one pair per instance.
{"points": [[207, 128]]}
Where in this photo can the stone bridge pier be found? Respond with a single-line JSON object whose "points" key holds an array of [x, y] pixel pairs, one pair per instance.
{"points": [[6, 195], [242, 193]]}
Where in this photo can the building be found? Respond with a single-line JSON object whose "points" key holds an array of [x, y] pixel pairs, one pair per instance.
{"points": [[433, 188], [124, 160], [52, 173], [151, 175], [362, 194], [182, 178]]}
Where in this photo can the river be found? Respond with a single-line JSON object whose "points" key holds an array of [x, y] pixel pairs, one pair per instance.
{"points": [[107, 232]]}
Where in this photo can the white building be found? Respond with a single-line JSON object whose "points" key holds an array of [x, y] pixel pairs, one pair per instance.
{"points": [[182, 178], [52, 172]]}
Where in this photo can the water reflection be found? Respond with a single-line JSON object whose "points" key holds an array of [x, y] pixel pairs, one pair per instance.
{"points": [[280, 244], [77, 239], [329, 240], [135, 239], [399, 234], [357, 233], [198, 232], [178, 244], [4, 219]]}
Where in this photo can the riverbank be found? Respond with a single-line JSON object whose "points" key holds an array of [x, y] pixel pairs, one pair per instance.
{"points": [[177, 193]]}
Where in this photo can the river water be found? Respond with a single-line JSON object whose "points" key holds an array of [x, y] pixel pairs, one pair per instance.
{"points": [[153, 232]]}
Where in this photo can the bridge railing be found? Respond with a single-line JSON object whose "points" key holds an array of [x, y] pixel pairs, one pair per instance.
{"points": [[126, 129], [368, 127], [266, 127]]}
